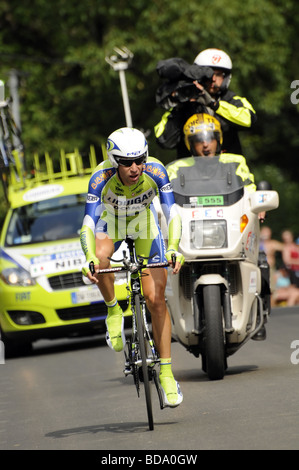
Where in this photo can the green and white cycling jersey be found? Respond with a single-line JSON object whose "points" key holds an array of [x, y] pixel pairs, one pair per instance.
{"points": [[120, 210]]}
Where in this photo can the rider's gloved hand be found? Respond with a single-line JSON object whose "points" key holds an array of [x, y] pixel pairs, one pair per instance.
{"points": [[86, 267], [179, 258], [206, 99]]}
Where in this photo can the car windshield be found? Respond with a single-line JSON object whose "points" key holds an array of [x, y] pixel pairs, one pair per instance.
{"points": [[52, 219]]}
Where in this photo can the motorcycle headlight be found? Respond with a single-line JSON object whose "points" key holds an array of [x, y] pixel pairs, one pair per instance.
{"points": [[208, 234], [17, 277]]}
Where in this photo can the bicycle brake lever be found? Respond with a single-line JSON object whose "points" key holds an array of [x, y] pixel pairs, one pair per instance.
{"points": [[173, 258], [91, 267], [143, 258]]}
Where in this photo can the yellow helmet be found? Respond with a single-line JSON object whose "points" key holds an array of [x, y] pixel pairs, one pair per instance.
{"points": [[200, 127]]}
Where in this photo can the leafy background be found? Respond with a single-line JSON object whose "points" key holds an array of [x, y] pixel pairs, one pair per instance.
{"points": [[70, 97]]}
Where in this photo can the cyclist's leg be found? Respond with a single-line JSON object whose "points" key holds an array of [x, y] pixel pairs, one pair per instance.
{"points": [[150, 243], [154, 290], [106, 243], [154, 284], [105, 248]]}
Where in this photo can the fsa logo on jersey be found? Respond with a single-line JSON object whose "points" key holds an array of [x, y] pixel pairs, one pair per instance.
{"points": [[91, 198], [167, 188]]}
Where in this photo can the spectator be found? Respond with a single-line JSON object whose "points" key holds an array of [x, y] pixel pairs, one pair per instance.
{"points": [[284, 293], [270, 247], [290, 256]]}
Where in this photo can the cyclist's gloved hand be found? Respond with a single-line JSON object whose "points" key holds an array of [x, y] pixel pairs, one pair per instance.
{"points": [[86, 267], [179, 258]]}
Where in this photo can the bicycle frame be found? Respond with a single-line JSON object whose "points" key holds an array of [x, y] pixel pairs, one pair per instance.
{"points": [[135, 265], [141, 355]]}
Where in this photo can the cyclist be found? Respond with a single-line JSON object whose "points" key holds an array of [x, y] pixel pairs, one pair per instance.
{"points": [[119, 203], [234, 112]]}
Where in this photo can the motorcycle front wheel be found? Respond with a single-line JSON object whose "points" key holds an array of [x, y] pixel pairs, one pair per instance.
{"points": [[214, 335]]}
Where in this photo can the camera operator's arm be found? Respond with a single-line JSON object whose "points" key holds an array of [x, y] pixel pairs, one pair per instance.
{"points": [[178, 97], [169, 131], [237, 110], [234, 108]]}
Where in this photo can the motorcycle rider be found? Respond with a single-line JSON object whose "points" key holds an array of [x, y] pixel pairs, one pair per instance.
{"points": [[203, 138], [234, 112], [119, 203]]}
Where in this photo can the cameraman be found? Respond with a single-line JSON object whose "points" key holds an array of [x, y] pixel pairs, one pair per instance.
{"points": [[210, 96]]}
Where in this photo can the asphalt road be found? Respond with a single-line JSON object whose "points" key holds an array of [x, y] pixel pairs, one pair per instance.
{"points": [[72, 395]]}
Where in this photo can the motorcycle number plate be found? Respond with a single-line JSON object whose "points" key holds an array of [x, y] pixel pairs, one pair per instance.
{"points": [[209, 200]]}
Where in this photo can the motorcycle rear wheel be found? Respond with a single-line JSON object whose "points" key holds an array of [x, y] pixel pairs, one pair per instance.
{"points": [[214, 336]]}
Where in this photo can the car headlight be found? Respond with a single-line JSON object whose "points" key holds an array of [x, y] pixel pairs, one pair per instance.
{"points": [[17, 277], [208, 234]]}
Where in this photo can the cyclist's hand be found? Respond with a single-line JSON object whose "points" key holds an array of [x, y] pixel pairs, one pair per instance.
{"points": [[175, 259], [89, 269]]}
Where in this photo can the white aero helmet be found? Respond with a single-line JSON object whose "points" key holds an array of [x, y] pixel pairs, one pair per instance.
{"points": [[216, 59], [126, 143]]}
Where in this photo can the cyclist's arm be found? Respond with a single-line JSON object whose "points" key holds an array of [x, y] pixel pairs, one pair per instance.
{"points": [[169, 207], [174, 228], [93, 209], [87, 240]]}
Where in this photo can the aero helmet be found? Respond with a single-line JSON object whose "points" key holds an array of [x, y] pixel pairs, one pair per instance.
{"points": [[202, 127], [127, 143], [216, 59]]}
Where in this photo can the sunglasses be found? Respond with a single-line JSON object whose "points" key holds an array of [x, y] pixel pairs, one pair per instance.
{"points": [[129, 162]]}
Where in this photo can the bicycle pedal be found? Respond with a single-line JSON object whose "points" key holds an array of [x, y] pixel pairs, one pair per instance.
{"points": [[128, 369], [140, 374], [150, 374], [156, 381]]}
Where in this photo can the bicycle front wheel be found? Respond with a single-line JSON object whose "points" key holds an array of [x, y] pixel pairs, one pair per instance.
{"points": [[144, 356]]}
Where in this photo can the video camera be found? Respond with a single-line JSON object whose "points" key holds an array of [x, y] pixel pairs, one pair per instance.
{"points": [[179, 86]]}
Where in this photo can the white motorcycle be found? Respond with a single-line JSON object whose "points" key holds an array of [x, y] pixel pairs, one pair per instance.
{"points": [[215, 302]]}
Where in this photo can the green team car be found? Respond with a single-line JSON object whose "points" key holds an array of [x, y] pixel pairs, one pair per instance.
{"points": [[41, 288]]}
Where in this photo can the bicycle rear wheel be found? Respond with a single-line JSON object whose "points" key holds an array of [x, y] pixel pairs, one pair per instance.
{"points": [[144, 356]]}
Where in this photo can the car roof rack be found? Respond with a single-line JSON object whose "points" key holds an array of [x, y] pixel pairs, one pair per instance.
{"points": [[71, 165]]}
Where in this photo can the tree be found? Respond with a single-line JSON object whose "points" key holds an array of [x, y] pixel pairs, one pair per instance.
{"points": [[70, 97]]}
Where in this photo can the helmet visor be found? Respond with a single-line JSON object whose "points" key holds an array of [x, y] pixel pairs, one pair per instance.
{"points": [[204, 136], [128, 161]]}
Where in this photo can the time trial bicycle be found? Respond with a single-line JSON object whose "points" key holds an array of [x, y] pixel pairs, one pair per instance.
{"points": [[141, 356]]}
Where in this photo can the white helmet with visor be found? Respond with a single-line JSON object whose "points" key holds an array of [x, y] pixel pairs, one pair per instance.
{"points": [[216, 59], [126, 145]]}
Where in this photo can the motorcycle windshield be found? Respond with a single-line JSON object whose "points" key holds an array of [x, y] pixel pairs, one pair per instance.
{"points": [[207, 180]]}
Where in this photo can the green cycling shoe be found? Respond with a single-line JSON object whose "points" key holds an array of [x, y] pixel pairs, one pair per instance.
{"points": [[115, 336], [171, 392]]}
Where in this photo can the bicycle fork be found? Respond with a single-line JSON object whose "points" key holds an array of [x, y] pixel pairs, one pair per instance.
{"points": [[133, 362]]}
